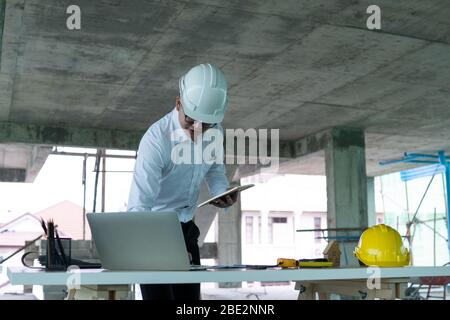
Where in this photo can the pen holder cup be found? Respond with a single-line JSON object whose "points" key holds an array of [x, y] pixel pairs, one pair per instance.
{"points": [[58, 258]]}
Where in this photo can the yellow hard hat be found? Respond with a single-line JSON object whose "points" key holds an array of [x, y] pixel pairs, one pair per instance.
{"points": [[382, 246]]}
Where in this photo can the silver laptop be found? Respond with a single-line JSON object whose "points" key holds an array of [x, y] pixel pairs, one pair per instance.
{"points": [[139, 241]]}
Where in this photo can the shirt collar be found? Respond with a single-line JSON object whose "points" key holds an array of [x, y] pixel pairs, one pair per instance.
{"points": [[178, 135]]}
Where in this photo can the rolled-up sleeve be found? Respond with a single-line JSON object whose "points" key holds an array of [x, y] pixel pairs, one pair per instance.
{"points": [[145, 185]]}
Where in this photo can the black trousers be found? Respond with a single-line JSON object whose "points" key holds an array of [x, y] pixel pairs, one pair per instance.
{"points": [[189, 291]]}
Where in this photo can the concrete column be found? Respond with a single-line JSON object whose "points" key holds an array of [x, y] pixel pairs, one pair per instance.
{"points": [[371, 214], [265, 226], [346, 185], [37, 158], [229, 247], [204, 216]]}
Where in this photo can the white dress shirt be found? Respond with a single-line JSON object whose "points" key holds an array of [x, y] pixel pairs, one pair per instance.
{"points": [[159, 184]]}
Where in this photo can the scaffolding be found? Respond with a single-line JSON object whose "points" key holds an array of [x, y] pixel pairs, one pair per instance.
{"points": [[435, 164], [100, 161]]}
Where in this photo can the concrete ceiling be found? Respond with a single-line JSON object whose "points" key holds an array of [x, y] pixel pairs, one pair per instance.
{"points": [[301, 66]]}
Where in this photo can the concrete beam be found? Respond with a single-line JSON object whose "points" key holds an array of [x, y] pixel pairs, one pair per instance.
{"points": [[69, 136], [341, 137], [242, 147], [12, 175], [92, 138]]}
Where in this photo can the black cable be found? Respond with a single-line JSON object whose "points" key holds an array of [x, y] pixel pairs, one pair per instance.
{"points": [[23, 261], [20, 249]]}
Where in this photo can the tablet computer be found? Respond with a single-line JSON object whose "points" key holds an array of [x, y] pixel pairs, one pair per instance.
{"points": [[238, 188]]}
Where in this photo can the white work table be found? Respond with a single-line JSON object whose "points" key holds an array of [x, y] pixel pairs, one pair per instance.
{"points": [[26, 276]]}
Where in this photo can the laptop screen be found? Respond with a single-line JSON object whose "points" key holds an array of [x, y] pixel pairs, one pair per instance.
{"points": [[139, 241]]}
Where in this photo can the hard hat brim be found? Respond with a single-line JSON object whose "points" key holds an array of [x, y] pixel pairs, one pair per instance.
{"points": [[204, 118]]}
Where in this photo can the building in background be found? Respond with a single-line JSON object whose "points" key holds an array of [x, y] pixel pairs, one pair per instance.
{"points": [[26, 227], [275, 209], [279, 205]]}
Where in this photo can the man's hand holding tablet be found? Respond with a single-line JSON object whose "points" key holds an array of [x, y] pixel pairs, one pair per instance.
{"points": [[226, 198]]}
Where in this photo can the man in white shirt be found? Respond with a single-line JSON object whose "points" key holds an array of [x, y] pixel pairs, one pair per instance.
{"points": [[162, 183]]}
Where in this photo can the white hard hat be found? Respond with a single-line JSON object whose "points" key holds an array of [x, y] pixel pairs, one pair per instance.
{"points": [[203, 93]]}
